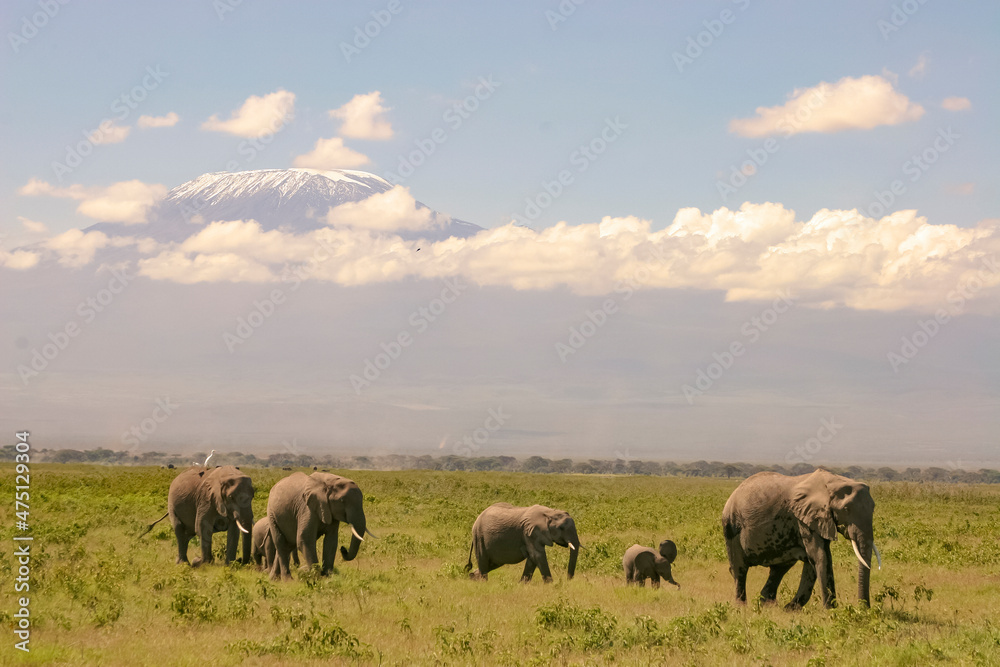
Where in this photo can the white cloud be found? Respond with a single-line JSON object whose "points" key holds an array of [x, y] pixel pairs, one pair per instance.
{"points": [[19, 260], [77, 248], [920, 68], [109, 133], [331, 154], [258, 115], [33, 226], [956, 103], [836, 258], [862, 103], [125, 201], [363, 119], [391, 210], [169, 120]]}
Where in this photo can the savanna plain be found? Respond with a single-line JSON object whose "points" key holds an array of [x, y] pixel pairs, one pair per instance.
{"points": [[100, 596]]}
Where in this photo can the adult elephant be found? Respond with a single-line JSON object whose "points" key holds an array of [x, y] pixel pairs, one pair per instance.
{"points": [[641, 563], [505, 534], [303, 507], [774, 520], [205, 501]]}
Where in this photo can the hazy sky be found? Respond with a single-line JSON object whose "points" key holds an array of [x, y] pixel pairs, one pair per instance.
{"points": [[798, 200]]}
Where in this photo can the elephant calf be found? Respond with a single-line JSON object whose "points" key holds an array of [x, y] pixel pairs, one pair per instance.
{"points": [[504, 535], [641, 563]]}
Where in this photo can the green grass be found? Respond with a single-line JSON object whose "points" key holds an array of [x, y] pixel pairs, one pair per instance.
{"points": [[101, 597]]}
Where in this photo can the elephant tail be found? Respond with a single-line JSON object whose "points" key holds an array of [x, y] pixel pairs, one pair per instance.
{"points": [[150, 526], [468, 566]]}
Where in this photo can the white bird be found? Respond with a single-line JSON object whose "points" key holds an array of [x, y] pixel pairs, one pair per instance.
{"points": [[209, 457]]}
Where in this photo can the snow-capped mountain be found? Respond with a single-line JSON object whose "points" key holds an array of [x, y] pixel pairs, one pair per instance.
{"points": [[294, 200]]}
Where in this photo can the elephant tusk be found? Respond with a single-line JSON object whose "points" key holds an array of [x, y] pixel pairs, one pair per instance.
{"points": [[571, 546], [356, 534], [877, 555], [240, 526], [858, 554], [371, 534]]}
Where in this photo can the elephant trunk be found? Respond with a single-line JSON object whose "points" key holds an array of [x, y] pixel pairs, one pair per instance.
{"points": [[358, 527], [863, 542], [244, 517], [574, 552]]}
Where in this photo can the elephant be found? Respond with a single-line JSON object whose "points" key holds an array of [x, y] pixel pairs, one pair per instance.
{"points": [[641, 563], [263, 546], [303, 507], [504, 534], [204, 501], [774, 520]]}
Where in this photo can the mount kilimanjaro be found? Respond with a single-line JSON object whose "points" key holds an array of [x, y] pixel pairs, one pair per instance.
{"points": [[293, 200]]}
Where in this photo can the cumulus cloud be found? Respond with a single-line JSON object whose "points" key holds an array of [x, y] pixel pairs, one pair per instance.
{"points": [[125, 201], [109, 133], [834, 259], [33, 226], [956, 103], [391, 210], [363, 117], [146, 122], [18, 260], [862, 103], [331, 154], [258, 116], [76, 248]]}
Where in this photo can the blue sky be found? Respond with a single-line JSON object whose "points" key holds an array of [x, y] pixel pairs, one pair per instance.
{"points": [[896, 313], [557, 88]]}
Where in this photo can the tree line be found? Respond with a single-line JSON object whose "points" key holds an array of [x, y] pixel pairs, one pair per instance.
{"points": [[532, 464]]}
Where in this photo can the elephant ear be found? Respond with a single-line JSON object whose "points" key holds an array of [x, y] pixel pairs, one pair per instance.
{"points": [[315, 497], [218, 495], [540, 528], [810, 503], [668, 550]]}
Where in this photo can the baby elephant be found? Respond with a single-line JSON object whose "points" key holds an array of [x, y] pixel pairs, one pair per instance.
{"points": [[642, 562]]}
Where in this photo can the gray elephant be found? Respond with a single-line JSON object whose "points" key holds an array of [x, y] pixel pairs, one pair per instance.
{"points": [[301, 508], [504, 535], [773, 520], [262, 551], [205, 501], [641, 563]]}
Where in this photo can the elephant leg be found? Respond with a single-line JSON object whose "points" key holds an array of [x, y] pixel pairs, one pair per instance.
{"points": [[770, 590], [824, 572], [543, 565], [281, 548], [183, 537], [806, 584], [204, 528], [306, 540], [330, 547], [529, 570], [268, 552], [740, 577], [655, 580]]}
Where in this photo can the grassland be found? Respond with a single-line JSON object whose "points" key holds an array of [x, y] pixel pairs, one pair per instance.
{"points": [[101, 597]]}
